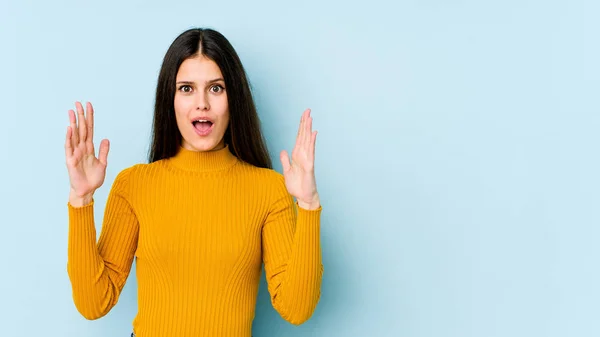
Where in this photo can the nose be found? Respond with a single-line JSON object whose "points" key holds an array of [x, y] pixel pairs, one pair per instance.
{"points": [[202, 103]]}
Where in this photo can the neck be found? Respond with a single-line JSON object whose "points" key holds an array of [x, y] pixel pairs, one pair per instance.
{"points": [[203, 161]]}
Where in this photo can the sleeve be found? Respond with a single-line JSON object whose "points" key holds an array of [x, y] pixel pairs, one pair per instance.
{"points": [[98, 271], [292, 257]]}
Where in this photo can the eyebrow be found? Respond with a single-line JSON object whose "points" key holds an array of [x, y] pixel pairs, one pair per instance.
{"points": [[207, 82]]}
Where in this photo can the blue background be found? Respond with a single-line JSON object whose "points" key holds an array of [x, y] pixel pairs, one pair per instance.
{"points": [[457, 156]]}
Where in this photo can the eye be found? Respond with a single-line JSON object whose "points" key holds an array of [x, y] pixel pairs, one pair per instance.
{"points": [[218, 87], [185, 88]]}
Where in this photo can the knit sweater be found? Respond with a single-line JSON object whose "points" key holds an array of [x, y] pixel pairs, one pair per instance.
{"points": [[200, 225]]}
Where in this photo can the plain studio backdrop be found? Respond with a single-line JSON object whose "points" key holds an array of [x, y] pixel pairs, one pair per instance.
{"points": [[457, 159]]}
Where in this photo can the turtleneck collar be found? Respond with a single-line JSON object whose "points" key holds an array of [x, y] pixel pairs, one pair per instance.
{"points": [[203, 161]]}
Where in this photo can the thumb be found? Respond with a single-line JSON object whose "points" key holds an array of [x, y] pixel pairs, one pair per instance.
{"points": [[285, 160], [103, 152]]}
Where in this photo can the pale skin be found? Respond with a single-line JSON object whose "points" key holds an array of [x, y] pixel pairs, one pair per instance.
{"points": [[299, 174], [88, 171]]}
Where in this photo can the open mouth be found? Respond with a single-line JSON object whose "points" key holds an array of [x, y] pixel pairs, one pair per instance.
{"points": [[202, 125]]}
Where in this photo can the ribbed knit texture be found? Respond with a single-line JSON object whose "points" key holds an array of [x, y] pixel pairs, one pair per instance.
{"points": [[200, 225]]}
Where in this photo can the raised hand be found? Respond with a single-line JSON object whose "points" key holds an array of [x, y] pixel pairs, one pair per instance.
{"points": [[299, 174], [86, 172]]}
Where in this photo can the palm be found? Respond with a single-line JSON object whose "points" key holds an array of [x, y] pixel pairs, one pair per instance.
{"points": [[86, 172], [299, 173]]}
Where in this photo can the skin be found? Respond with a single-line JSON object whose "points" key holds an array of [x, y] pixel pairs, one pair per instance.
{"points": [[299, 173], [200, 92]]}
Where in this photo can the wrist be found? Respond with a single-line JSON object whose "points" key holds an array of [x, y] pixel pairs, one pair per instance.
{"points": [[80, 200], [309, 205]]}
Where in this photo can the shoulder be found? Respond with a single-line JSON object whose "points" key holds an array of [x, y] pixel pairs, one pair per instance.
{"points": [[140, 171], [264, 179], [264, 176], [126, 177], [129, 172]]}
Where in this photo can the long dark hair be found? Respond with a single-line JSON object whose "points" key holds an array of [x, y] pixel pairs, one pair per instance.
{"points": [[243, 135]]}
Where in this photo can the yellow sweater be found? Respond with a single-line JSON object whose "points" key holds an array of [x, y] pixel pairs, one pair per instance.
{"points": [[200, 225]]}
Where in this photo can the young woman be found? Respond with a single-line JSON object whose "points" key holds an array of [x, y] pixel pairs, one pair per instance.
{"points": [[206, 211]]}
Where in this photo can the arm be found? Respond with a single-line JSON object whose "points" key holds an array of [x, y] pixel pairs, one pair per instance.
{"points": [[98, 271], [292, 257]]}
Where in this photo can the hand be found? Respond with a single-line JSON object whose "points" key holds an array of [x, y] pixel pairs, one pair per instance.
{"points": [[300, 174], [86, 172]]}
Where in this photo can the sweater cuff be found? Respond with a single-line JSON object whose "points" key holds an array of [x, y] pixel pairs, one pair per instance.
{"points": [[81, 223], [309, 216], [316, 210], [71, 207]]}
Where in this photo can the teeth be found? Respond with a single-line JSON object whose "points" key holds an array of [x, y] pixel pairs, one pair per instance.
{"points": [[201, 120]]}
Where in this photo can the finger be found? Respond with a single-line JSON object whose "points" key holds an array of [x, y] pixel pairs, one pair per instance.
{"points": [[74, 131], [305, 117], [68, 146], [81, 122], [303, 129], [103, 152], [90, 125], [300, 130], [285, 160], [307, 120], [313, 141], [308, 132]]}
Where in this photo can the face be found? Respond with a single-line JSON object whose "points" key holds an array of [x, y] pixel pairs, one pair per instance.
{"points": [[201, 108]]}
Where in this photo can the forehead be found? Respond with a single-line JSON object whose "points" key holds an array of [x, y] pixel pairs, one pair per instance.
{"points": [[198, 69]]}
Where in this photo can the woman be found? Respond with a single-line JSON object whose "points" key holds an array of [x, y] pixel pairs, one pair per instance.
{"points": [[206, 211]]}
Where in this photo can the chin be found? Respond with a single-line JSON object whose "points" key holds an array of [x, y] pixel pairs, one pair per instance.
{"points": [[204, 145]]}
